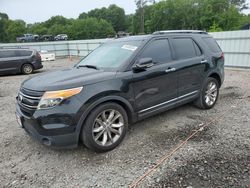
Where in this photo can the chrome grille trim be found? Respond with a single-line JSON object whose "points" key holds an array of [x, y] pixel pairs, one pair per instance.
{"points": [[29, 97], [28, 106]]}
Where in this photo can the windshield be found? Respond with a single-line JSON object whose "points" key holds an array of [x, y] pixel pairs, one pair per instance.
{"points": [[111, 55]]}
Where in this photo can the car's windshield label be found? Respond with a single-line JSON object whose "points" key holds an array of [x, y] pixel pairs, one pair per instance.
{"points": [[129, 47]]}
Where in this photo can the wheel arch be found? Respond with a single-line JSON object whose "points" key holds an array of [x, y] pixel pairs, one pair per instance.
{"points": [[115, 99], [217, 77], [25, 63]]}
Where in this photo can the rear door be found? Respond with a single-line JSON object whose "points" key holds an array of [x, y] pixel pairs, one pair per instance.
{"points": [[9, 61], [189, 61]]}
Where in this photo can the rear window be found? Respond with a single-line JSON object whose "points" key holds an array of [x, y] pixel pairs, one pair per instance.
{"points": [[212, 44], [7, 53], [184, 48]]}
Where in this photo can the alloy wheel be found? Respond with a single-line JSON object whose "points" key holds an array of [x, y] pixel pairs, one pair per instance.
{"points": [[108, 127], [211, 94]]}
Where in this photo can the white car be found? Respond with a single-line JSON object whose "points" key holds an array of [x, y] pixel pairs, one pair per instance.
{"points": [[61, 37], [47, 56]]}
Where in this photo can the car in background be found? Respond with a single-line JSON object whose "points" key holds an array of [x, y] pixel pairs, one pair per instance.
{"points": [[46, 38], [61, 37], [19, 60], [28, 38], [47, 56], [122, 34]]}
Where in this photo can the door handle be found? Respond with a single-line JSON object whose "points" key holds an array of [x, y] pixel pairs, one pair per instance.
{"points": [[203, 61], [170, 70]]}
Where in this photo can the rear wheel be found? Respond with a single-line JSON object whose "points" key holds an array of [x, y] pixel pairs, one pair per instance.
{"points": [[105, 127], [27, 69], [209, 94]]}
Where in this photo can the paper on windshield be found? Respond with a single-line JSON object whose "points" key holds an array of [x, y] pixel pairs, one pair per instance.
{"points": [[129, 47]]}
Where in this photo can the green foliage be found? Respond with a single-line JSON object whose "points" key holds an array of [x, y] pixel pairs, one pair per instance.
{"points": [[14, 29], [90, 28], [37, 28], [215, 28], [196, 14], [210, 15], [113, 14], [3, 26]]}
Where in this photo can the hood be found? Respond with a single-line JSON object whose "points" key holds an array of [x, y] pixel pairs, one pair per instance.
{"points": [[66, 79]]}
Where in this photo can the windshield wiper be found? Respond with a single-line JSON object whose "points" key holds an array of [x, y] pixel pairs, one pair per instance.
{"points": [[88, 66]]}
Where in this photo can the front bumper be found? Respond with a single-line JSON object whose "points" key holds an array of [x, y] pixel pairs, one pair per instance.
{"points": [[54, 137]]}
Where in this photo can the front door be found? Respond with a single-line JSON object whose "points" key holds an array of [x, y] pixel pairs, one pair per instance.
{"points": [[156, 87]]}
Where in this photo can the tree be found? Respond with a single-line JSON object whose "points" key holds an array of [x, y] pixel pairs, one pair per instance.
{"points": [[116, 16], [3, 26], [59, 20], [215, 28], [90, 28], [83, 15], [196, 14], [37, 28], [15, 29], [57, 29], [113, 14]]}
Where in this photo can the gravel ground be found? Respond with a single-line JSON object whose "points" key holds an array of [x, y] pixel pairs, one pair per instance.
{"points": [[218, 156]]}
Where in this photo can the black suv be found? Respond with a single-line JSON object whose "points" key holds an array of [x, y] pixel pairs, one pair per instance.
{"points": [[121, 82], [19, 61]]}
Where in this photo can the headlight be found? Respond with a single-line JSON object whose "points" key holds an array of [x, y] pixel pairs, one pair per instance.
{"points": [[53, 98]]}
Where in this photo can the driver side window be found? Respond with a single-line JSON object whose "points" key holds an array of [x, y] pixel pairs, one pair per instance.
{"points": [[159, 50]]}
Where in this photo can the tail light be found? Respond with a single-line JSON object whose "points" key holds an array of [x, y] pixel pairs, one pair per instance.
{"points": [[38, 55], [222, 56]]}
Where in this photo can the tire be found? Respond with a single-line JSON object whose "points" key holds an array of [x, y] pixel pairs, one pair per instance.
{"points": [[99, 133], [27, 68], [207, 98]]}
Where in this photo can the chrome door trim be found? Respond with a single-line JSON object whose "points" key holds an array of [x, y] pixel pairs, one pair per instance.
{"points": [[169, 101]]}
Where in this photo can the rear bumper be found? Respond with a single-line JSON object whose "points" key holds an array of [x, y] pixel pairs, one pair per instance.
{"points": [[37, 65], [56, 139]]}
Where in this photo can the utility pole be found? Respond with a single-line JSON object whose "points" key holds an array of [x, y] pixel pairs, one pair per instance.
{"points": [[141, 5]]}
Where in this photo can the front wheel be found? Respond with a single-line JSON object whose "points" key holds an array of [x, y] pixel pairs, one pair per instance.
{"points": [[209, 94], [105, 127]]}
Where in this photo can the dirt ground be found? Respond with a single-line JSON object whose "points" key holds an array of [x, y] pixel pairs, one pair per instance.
{"points": [[218, 156]]}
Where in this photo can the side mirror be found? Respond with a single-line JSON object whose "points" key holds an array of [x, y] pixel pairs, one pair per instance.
{"points": [[143, 64]]}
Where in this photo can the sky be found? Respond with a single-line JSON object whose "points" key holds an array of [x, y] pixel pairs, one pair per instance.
{"points": [[40, 10], [32, 11]]}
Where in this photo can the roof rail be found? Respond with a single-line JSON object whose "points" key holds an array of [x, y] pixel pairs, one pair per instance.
{"points": [[179, 31]]}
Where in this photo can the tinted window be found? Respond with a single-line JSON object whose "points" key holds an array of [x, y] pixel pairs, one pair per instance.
{"points": [[197, 49], [7, 53], [158, 50], [212, 44], [184, 48], [24, 53]]}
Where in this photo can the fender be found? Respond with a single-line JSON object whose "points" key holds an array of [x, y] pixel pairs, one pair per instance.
{"points": [[102, 100], [217, 75]]}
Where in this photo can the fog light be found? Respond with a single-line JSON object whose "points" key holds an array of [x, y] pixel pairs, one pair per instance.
{"points": [[46, 141]]}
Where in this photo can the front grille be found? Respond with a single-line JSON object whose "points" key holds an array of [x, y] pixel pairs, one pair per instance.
{"points": [[28, 100]]}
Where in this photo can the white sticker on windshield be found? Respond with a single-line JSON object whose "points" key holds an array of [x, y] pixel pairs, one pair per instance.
{"points": [[129, 47]]}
